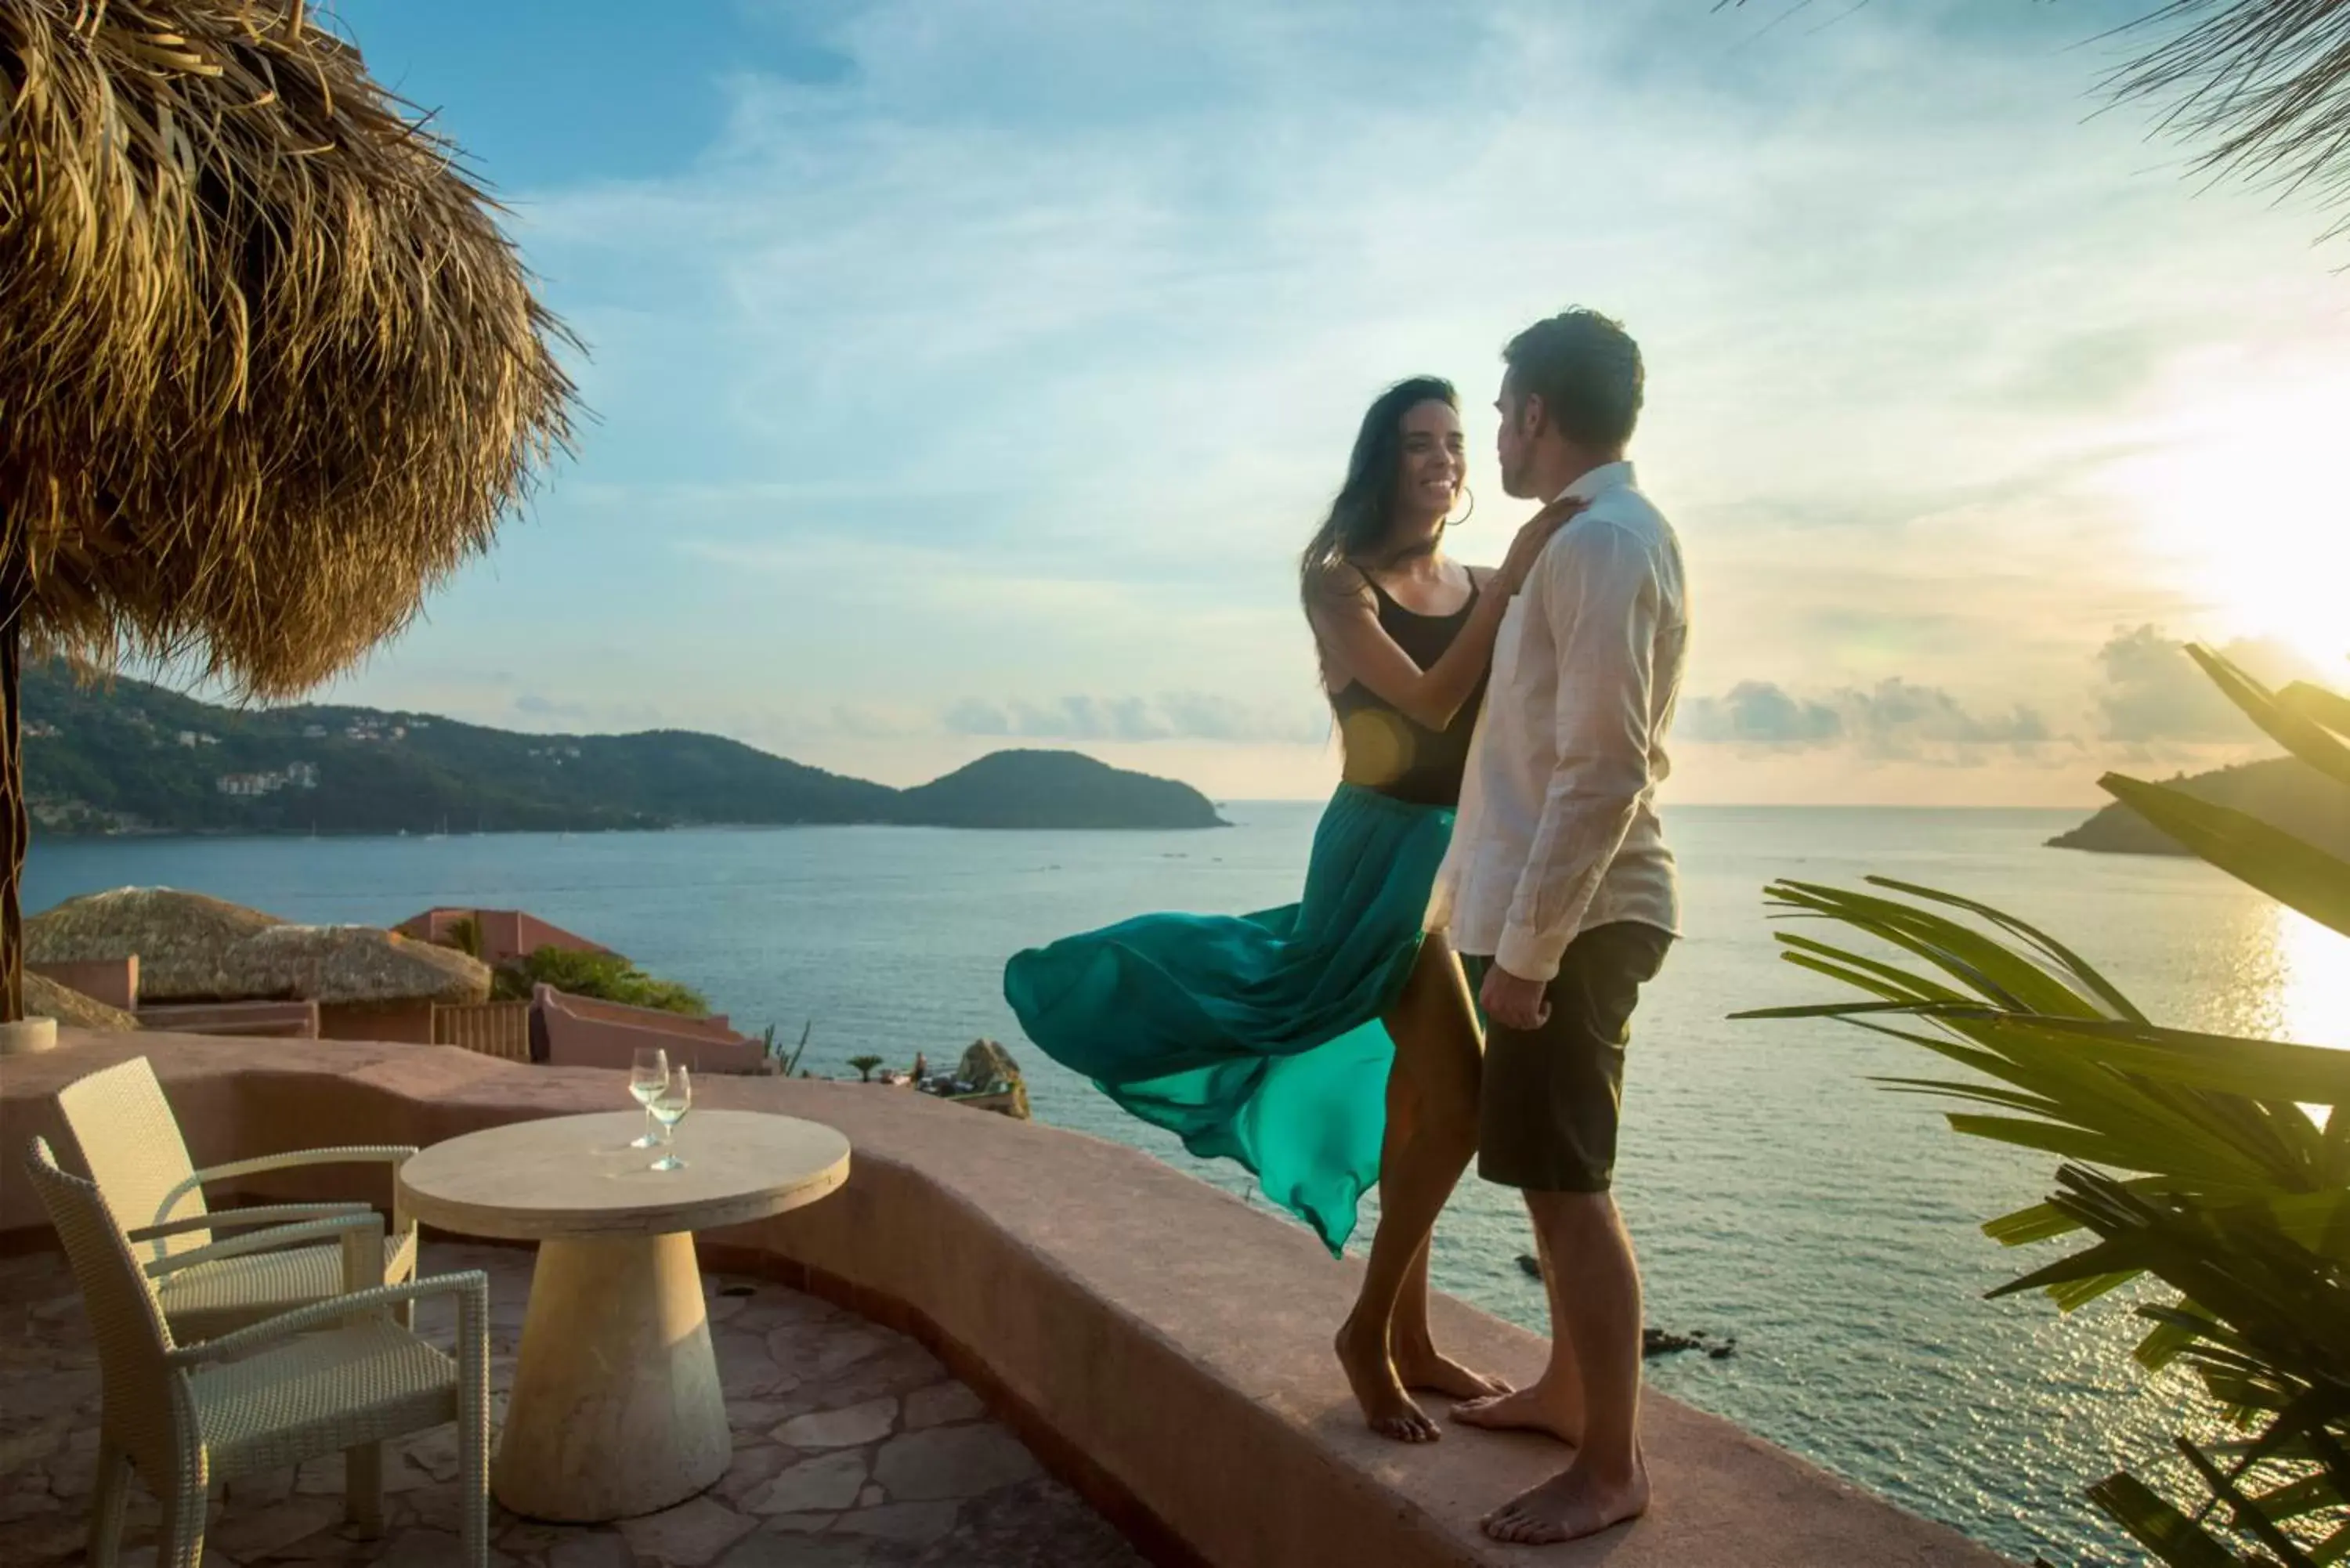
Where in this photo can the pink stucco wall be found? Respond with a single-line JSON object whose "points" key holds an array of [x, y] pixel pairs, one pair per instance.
{"points": [[114, 982], [506, 934], [286, 1020], [584, 1033]]}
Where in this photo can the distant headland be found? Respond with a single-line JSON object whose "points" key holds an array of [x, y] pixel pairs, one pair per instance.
{"points": [[2284, 791], [137, 758]]}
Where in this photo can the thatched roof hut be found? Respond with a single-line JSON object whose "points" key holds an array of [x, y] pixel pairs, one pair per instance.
{"points": [[193, 948], [180, 939], [45, 998], [268, 369], [350, 964]]}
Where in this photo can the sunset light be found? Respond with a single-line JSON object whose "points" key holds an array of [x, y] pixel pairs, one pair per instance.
{"points": [[2239, 489]]}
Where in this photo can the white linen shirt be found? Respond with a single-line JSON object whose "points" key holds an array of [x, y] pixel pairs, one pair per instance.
{"points": [[1557, 831]]}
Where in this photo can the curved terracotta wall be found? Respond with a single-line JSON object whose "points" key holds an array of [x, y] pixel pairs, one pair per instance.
{"points": [[1163, 1346]]}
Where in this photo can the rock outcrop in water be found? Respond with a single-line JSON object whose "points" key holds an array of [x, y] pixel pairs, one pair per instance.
{"points": [[987, 1078], [2284, 791], [1655, 1342]]}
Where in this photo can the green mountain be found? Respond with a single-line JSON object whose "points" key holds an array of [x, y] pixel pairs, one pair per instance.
{"points": [[2284, 791], [1052, 789], [132, 757]]}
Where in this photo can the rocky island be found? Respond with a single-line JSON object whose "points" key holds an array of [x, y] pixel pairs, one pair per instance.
{"points": [[2284, 791], [135, 758]]}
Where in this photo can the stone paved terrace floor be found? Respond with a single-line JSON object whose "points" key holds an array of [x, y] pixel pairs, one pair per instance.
{"points": [[852, 1446]]}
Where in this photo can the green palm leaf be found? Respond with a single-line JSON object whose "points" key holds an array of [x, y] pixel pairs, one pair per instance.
{"points": [[2286, 868], [2159, 1527], [2240, 1199], [2330, 709], [2296, 731]]}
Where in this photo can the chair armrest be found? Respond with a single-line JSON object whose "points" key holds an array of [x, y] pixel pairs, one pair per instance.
{"points": [[364, 1154], [335, 1227], [470, 1288], [235, 1218]]}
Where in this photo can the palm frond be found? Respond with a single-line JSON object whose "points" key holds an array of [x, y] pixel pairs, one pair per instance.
{"points": [[2264, 85]]}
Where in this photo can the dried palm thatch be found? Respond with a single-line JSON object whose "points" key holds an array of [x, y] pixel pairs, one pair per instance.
{"points": [[195, 948], [349, 964], [268, 369], [45, 998], [180, 939]]}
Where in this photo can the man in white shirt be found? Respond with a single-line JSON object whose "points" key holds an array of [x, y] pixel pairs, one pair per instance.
{"points": [[1561, 896]]}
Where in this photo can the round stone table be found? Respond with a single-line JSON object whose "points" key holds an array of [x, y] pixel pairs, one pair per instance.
{"points": [[616, 1408]]}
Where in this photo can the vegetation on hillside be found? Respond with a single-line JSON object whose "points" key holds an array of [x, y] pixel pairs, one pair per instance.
{"points": [[134, 757], [2219, 1167]]}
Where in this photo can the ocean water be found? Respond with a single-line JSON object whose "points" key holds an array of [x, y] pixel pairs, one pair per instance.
{"points": [[1775, 1193]]}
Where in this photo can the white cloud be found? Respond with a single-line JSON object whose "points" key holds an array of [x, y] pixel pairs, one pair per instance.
{"points": [[1176, 716], [1895, 719], [2153, 692]]}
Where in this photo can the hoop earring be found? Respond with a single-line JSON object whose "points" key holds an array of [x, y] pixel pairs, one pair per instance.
{"points": [[1450, 523]]}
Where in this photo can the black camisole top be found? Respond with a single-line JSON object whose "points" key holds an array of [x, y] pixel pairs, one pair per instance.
{"points": [[1390, 752]]}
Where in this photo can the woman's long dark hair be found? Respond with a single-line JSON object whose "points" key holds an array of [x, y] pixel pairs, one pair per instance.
{"points": [[1365, 508]]}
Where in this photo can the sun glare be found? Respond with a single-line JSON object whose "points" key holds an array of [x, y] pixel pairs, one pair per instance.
{"points": [[2314, 978], [2236, 494]]}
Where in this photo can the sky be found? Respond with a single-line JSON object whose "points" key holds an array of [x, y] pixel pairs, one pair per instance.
{"points": [[968, 375]]}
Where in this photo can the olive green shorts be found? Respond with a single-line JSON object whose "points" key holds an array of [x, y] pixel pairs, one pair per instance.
{"points": [[1552, 1095]]}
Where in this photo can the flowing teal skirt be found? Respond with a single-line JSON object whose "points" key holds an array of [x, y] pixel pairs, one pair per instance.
{"points": [[1257, 1038]]}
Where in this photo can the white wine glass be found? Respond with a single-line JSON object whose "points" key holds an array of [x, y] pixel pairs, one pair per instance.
{"points": [[648, 1076], [669, 1109]]}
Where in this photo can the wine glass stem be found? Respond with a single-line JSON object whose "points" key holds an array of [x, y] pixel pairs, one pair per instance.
{"points": [[652, 1125]]}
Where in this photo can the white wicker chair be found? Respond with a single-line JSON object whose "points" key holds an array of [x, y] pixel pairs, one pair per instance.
{"points": [[131, 1147], [342, 1375]]}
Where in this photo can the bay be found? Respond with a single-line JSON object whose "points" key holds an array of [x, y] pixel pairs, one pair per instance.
{"points": [[1775, 1194]]}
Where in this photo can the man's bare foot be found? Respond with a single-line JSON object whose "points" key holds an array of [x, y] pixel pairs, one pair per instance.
{"points": [[1569, 1506], [1371, 1374], [1535, 1409], [1422, 1365]]}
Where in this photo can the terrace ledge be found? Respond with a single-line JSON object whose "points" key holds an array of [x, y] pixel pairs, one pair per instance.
{"points": [[1160, 1345]]}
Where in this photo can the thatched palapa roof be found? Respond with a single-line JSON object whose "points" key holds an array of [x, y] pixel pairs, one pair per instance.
{"points": [[268, 369], [45, 998], [351, 964], [193, 948], [179, 938]]}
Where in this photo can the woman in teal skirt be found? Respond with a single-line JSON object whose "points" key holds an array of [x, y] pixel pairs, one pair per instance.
{"points": [[1330, 1045]]}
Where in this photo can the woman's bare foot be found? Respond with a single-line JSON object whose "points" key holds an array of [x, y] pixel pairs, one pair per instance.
{"points": [[1569, 1506], [1535, 1409], [1371, 1374], [1421, 1365]]}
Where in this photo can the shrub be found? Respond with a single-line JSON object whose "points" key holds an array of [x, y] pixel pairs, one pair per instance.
{"points": [[603, 977]]}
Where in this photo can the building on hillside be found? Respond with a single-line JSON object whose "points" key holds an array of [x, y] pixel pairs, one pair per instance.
{"points": [[504, 934], [299, 775]]}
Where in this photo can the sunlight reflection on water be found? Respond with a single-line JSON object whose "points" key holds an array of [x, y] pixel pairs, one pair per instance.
{"points": [[2313, 981]]}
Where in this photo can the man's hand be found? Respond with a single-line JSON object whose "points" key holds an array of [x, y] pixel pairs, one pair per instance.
{"points": [[1511, 1003]]}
